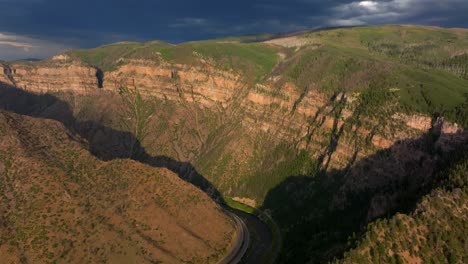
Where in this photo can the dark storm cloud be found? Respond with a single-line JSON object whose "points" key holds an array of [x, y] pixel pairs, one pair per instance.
{"points": [[86, 23]]}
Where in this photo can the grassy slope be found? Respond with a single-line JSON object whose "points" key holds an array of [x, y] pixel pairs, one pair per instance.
{"points": [[413, 60], [254, 60], [108, 57], [426, 65]]}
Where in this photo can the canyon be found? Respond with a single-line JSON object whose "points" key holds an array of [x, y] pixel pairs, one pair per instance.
{"points": [[304, 128]]}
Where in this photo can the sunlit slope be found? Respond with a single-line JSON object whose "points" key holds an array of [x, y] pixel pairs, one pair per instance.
{"points": [[60, 204]]}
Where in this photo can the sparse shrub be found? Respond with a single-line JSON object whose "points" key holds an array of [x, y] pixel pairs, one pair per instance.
{"points": [[135, 116]]}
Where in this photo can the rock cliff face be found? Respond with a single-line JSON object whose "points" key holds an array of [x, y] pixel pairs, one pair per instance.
{"points": [[275, 110], [204, 85], [57, 76]]}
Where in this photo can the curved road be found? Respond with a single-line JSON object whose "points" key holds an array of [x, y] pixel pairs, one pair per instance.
{"points": [[242, 244], [255, 242], [261, 239]]}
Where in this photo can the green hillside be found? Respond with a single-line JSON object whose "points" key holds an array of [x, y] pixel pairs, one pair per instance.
{"points": [[109, 57], [253, 60], [424, 66]]}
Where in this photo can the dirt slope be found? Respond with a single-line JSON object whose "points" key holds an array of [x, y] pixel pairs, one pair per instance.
{"points": [[60, 204]]}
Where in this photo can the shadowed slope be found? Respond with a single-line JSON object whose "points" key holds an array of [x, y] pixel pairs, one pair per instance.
{"points": [[435, 232], [319, 212], [104, 142]]}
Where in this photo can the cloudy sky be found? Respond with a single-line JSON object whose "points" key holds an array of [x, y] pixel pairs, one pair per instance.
{"points": [[41, 28]]}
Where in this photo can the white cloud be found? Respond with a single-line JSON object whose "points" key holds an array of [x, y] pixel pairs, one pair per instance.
{"points": [[369, 5], [390, 11], [12, 41], [14, 47], [25, 46]]}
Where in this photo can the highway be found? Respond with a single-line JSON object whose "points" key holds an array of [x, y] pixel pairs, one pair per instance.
{"points": [[242, 244], [255, 244], [261, 239]]}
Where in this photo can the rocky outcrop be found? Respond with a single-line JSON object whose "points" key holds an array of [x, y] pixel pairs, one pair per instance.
{"points": [[7, 76], [202, 84], [419, 122], [205, 85], [63, 76], [293, 42]]}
